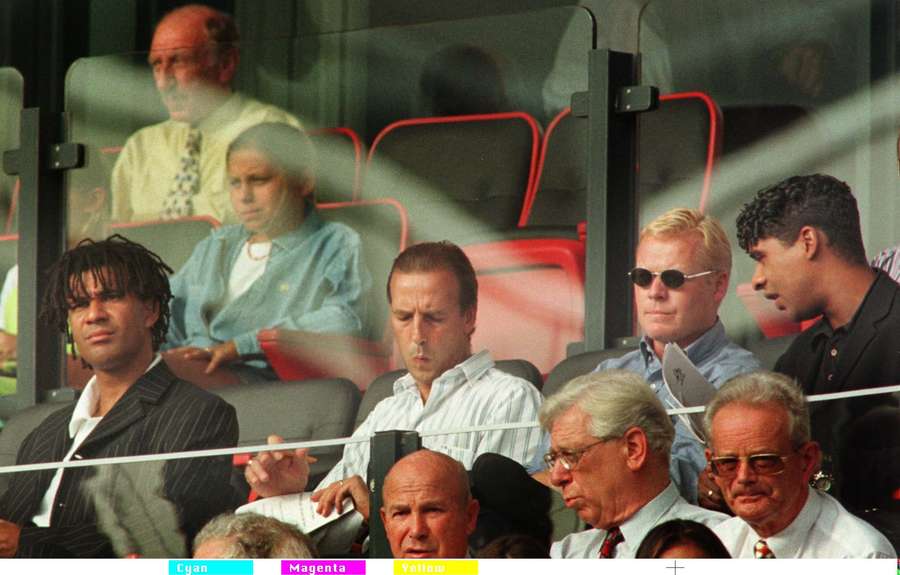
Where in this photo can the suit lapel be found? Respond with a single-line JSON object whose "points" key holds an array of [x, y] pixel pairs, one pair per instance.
{"points": [[148, 389]]}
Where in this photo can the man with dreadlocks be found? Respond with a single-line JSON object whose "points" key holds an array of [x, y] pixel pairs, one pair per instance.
{"points": [[111, 298]]}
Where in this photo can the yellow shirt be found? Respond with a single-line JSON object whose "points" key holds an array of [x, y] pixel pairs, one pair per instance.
{"points": [[146, 167]]}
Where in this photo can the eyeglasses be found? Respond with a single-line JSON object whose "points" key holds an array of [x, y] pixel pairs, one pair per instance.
{"points": [[760, 463], [672, 279], [568, 457]]}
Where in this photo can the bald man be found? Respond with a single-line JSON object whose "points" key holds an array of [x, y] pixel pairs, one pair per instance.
{"points": [[177, 168], [428, 511]]}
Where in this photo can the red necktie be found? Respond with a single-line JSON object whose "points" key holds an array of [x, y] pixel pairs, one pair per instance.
{"points": [[613, 538], [761, 550]]}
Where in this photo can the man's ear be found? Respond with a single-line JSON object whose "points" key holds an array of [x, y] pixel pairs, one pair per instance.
{"points": [[469, 316], [151, 308], [472, 515], [721, 289], [636, 448], [228, 64], [810, 240], [811, 456]]}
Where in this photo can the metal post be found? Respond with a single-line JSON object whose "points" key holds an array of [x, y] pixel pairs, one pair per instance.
{"points": [[40, 163], [386, 447], [611, 104]]}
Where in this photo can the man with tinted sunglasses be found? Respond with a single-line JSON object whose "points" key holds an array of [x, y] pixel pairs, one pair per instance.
{"points": [[762, 458], [682, 267]]}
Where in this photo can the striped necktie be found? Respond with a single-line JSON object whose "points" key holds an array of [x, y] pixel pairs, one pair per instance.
{"points": [[761, 550], [180, 201], [613, 538]]}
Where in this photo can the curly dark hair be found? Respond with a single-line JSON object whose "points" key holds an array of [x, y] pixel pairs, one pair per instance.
{"points": [[681, 531], [817, 200], [117, 264]]}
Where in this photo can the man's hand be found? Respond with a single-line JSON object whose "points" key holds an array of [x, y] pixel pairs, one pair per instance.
{"points": [[332, 497], [9, 538], [216, 355], [708, 493], [278, 472]]}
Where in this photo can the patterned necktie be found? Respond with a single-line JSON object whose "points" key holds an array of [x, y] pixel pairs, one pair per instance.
{"points": [[180, 202], [613, 538], [761, 550]]}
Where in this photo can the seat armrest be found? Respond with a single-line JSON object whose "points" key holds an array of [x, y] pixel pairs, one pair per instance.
{"points": [[297, 355]]}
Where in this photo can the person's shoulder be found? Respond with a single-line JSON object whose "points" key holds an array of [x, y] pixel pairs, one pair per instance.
{"points": [[256, 111], [857, 537], [629, 360], [153, 134], [577, 545], [340, 234], [496, 381], [699, 514]]}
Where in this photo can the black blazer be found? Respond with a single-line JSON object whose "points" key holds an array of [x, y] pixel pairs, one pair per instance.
{"points": [[870, 358], [158, 414], [871, 354]]}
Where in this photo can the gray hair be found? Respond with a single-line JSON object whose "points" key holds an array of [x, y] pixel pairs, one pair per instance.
{"points": [[760, 387], [615, 400], [255, 536]]}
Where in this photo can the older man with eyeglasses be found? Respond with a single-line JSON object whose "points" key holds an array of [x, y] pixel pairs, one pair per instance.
{"points": [[682, 268], [762, 459], [610, 439]]}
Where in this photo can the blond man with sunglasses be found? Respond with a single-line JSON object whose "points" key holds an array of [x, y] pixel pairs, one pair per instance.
{"points": [[762, 459], [682, 268]]}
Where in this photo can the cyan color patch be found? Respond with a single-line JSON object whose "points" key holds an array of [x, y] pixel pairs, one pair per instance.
{"points": [[323, 567], [211, 567]]}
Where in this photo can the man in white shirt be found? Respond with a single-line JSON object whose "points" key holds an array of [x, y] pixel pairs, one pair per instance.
{"points": [[428, 510], [432, 291], [762, 459], [610, 439], [194, 57]]}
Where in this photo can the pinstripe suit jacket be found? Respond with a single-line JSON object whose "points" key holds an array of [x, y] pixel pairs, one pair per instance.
{"points": [[158, 414]]}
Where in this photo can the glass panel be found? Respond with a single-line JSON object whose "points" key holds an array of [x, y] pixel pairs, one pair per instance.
{"points": [[11, 93], [792, 81]]}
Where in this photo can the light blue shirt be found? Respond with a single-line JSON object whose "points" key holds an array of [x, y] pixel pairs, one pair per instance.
{"points": [[717, 359], [314, 280]]}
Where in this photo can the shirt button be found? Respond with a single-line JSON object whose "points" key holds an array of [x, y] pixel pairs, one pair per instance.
{"points": [[830, 375], [833, 352], [653, 386]]}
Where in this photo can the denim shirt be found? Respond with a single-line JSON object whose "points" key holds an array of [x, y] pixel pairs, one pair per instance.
{"points": [[314, 280], [718, 360]]}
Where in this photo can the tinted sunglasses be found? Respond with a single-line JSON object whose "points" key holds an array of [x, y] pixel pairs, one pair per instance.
{"points": [[760, 463], [672, 279]]}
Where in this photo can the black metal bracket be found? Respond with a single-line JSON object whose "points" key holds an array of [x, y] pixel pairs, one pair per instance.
{"points": [[629, 100], [64, 156]]}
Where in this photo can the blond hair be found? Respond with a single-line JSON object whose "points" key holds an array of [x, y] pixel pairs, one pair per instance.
{"points": [[715, 250]]}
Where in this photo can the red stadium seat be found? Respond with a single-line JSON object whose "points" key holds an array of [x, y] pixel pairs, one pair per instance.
{"points": [[172, 240], [679, 141], [531, 298], [340, 152], [458, 175]]}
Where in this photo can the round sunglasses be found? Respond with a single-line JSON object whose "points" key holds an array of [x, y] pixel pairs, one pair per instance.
{"points": [[672, 279]]}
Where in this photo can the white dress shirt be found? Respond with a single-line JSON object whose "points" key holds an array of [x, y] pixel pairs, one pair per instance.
{"points": [[664, 507], [823, 529], [471, 394]]}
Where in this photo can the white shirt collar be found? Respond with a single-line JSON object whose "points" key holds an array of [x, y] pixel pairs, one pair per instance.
{"points": [[788, 541], [638, 525], [90, 398], [469, 370]]}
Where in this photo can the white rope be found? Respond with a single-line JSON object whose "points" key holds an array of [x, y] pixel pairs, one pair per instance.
{"points": [[347, 440]]}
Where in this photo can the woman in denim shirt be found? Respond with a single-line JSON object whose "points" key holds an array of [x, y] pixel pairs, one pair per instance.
{"points": [[283, 266]]}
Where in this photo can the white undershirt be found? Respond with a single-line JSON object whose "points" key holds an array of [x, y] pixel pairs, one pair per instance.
{"points": [[80, 426], [247, 270]]}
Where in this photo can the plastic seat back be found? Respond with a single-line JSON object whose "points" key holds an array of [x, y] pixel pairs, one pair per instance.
{"points": [[456, 175]]}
